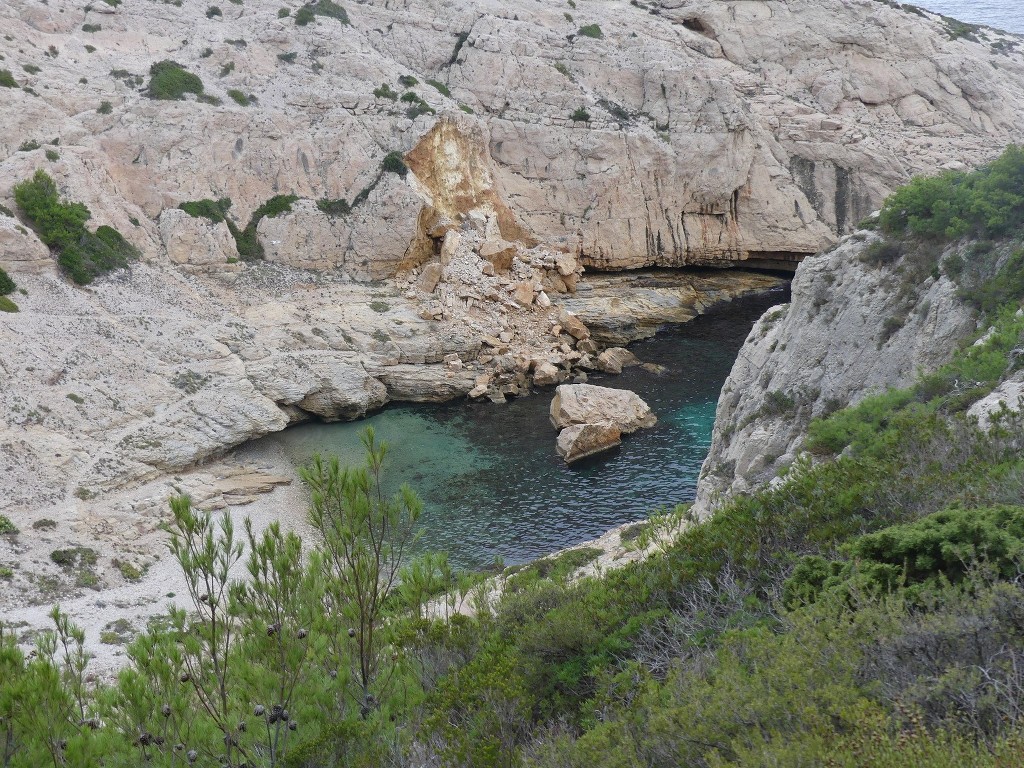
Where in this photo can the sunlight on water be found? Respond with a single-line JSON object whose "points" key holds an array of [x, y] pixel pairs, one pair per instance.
{"points": [[489, 476]]}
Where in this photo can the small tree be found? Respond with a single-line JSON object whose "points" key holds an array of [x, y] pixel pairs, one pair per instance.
{"points": [[366, 537]]}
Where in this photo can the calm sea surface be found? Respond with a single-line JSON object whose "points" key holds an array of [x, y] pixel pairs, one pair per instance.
{"points": [[489, 476], [1007, 15]]}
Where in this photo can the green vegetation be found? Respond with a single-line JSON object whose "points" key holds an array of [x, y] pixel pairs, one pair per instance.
{"points": [[240, 98], [32, 69], [288, 58], [90, 49], [29, 146], [590, 30], [407, 81], [170, 81], [52, 155], [986, 203], [580, 115], [460, 40], [339, 207], [418, 105], [105, 108], [441, 87], [394, 162], [246, 240], [7, 79], [385, 92], [7, 528], [7, 305], [283, 13], [864, 610], [60, 224], [7, 284], [212, 11], [327, 8], [91, 27]]}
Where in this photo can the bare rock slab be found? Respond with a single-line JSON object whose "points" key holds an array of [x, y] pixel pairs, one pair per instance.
{"points": [[575, 404], [582, 440]]}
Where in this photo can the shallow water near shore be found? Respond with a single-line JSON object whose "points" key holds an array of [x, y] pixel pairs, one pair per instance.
{"points": [[491, 482]]}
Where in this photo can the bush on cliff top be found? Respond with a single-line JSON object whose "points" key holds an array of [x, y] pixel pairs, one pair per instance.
{"points": [[988, 202]]}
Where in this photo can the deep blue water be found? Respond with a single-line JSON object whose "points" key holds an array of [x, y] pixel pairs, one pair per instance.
{"points": [[491, 481], [1007, 15]]}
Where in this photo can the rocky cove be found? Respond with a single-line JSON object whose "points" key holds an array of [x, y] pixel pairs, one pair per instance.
{"points": [[542, 170]]}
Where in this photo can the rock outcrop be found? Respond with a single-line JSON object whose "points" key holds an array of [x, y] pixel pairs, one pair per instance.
{"points": [[582, 440], [853, 328], [587, 404], [593, 419], [677, 134]]}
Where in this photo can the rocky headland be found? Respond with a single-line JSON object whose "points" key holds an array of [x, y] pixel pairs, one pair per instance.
{"points": [[462, 176]]}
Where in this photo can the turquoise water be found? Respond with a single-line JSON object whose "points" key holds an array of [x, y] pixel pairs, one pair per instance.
{"points": [[489, 476]]}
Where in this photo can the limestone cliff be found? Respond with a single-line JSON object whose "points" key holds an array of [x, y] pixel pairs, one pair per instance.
{"points": [[852, 328], [664, 133]]}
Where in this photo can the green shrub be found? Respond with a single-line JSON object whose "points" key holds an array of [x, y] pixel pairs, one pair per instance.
{"points": [[7, 305], [105, 108], [239, 98], [288, 58], [32, 69], [170, 81], [91, 27], [206, 53], [466, 108], [212, 11], [394, 162], [29, 146], [441, 87], [7, 528], [214, 210], [7, 285], [83, 255], [591, 30], [58, 224], [407, 81], [7, 79], [90, 49], [987, 202], [580, 115], [327, 8], [938, 549], [52, 155], [339, 207], [385, 92], [283, 13]]}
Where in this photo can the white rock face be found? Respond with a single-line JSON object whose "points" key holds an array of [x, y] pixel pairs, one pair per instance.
{"points": [[196, 243], [849, 331], [588, 404], [1008, 397], [20, 250], [717, 131]]}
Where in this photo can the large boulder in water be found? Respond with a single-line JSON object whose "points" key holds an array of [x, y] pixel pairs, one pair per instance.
{"points": [[582, 440], [587, 404]]}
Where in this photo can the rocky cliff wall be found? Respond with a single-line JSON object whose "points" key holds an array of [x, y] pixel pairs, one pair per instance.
{"points": [[853, 327], [669, 133]]}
